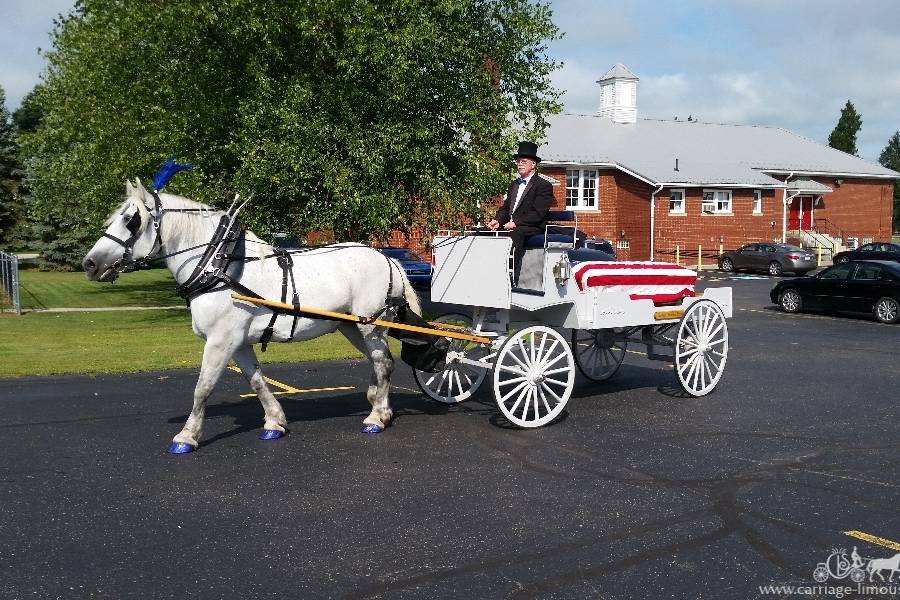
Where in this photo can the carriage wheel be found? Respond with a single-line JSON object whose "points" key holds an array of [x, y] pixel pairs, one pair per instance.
{"points": [[598, 353], [458, 381], [820, 573], [701, 347], [534, 375]]}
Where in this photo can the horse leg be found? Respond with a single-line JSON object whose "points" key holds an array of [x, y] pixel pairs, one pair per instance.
{"points": [[372, 342], [216, 355], [276, 423]]}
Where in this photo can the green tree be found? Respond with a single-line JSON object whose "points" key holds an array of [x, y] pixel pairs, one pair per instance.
{"points": [[12, 210], [843, 137], [28, 116], [890, 158], [356, 116]]}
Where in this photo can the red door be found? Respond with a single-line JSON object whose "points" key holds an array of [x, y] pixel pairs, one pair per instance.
{"points": [[800, 216]]}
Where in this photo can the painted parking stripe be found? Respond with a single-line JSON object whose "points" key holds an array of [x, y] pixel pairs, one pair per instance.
{"points": [[287, 389], [867, 537]]}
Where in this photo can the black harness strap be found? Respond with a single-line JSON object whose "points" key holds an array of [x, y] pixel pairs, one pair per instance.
{"points": [[286, 264]]}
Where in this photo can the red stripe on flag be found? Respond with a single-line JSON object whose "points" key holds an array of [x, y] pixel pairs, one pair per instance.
{"points": [[657, 298]]}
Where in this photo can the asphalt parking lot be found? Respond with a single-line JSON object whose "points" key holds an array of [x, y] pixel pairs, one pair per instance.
{"points": [[636, 492]]}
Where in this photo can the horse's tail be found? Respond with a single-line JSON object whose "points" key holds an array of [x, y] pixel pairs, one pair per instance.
{"points": [[408, 292]]}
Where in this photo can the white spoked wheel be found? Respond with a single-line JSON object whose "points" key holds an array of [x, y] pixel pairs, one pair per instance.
{"points": [[458, 381], [701, 347], [598, 353], [534, 374]]}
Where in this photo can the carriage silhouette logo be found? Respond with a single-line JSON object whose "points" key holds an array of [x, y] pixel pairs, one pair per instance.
{"points": [[855, 567]]}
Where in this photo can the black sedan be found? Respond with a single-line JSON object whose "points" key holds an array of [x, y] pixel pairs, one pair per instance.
{"points": [[873, 251], [418, 271], [869, 286], [772, 258]]}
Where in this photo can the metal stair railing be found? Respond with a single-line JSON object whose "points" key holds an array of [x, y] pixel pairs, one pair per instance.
{"points": [[829, 227], [824, 241]]}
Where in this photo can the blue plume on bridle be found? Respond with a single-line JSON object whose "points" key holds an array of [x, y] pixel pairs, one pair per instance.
{"points": [[166, 171]]}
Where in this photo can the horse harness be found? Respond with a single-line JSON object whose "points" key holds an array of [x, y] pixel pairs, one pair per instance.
{"points": [[225, 248]]}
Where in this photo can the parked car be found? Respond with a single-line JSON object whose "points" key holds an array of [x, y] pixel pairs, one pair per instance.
{"points": [[602, 245], [418, 271], [774, 259], [869, 286], [873, 251]]}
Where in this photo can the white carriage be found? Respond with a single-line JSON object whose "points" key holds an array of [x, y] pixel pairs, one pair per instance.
{"points": [[531, 339]]}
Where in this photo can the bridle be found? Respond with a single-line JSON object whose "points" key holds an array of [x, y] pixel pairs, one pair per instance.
{"points": [[126, 264]]}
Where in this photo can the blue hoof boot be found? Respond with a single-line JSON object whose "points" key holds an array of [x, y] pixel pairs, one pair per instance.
{"points": [[271, 434], [180, 448], [372, 429]]}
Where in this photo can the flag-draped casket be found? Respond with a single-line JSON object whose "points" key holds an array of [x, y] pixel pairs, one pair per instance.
{"points": [[660, 282]]}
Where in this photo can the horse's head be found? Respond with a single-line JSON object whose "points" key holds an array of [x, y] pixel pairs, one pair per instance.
{"points": [[129, 237]]}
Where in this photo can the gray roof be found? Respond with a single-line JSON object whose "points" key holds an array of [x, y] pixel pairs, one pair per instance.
{"points": [[619, 71], [805, 184], [707, 153]]}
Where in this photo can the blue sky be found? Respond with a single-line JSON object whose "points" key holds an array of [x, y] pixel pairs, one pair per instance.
{"points": [[783, 63]]}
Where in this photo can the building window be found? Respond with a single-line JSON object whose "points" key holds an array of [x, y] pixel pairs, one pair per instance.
{"points": [[581, 188], [716, 201], [676, 201], [757, 202], [623, 245]]}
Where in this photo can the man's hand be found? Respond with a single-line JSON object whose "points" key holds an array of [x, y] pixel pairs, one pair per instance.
{"points": [[493, 224], [509, 226]]}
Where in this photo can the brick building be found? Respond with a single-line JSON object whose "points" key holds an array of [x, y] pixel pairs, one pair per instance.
{"points": [[652, 185]]}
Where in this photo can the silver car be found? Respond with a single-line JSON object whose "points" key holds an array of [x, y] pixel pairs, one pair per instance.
{"points": [[774, 259]]}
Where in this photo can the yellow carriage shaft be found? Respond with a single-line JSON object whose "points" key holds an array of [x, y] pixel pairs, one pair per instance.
{"points": [[436, 329]]}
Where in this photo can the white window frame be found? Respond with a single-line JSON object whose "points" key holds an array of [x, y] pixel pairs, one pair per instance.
{"points": [[757, 202], [677, 211], [580, 197], [720, 203]]}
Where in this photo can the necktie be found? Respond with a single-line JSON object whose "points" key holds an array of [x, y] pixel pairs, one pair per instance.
{"points": [[521, 180]]}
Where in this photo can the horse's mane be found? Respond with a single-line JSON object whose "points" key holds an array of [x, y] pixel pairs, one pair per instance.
{"points": [[179, 224]]}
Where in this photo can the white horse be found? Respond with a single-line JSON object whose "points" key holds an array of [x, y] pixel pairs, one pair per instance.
{"points": [[877, 565], [344, 278]]}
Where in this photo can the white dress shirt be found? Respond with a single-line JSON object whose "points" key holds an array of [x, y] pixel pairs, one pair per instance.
{"points": [[519, 193]]}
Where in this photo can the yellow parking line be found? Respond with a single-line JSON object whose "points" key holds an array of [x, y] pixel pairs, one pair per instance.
{"points": [[287, 389], [874, 539], [305, 391]]}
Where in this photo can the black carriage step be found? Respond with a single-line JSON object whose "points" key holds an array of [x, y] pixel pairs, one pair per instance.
{"points": [[528, 292], [651, 355]]}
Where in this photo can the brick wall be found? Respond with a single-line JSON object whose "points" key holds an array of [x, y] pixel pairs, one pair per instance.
{"points": [[860, 207], [693, 230]]}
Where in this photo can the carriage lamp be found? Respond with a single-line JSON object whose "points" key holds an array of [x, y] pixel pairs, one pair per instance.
{"points": [[562, 270]]}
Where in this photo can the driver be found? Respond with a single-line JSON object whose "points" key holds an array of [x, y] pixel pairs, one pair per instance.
{"points": [[526, 206]]}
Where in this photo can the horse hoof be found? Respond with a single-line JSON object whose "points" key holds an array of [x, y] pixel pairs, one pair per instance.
{"points": [[180, 448], [271, 434], [372, 428]]}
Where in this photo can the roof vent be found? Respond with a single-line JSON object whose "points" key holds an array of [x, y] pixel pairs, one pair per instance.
{"points": [[618, 95]]}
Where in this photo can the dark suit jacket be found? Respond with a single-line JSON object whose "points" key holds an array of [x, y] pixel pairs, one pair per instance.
{"points": [[533, 207]]}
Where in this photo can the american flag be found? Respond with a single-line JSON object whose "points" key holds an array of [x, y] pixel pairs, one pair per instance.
{"points": [[660, 282]]}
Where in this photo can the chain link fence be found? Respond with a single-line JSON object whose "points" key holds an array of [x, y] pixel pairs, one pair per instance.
{"points": [[9, 283]]}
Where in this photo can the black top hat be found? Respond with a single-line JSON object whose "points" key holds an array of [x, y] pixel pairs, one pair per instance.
{"points": [[528, 150]]}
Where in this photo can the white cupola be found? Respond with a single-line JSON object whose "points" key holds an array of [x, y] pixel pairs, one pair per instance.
{"points": [[618, 95]]}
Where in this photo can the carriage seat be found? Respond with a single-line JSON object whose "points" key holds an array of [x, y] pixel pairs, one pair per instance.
{"points": [[556, 235]]}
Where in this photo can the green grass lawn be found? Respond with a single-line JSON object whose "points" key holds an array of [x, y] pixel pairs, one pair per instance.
{"points": [[39, 343], [48, 289], [53, 343]]}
